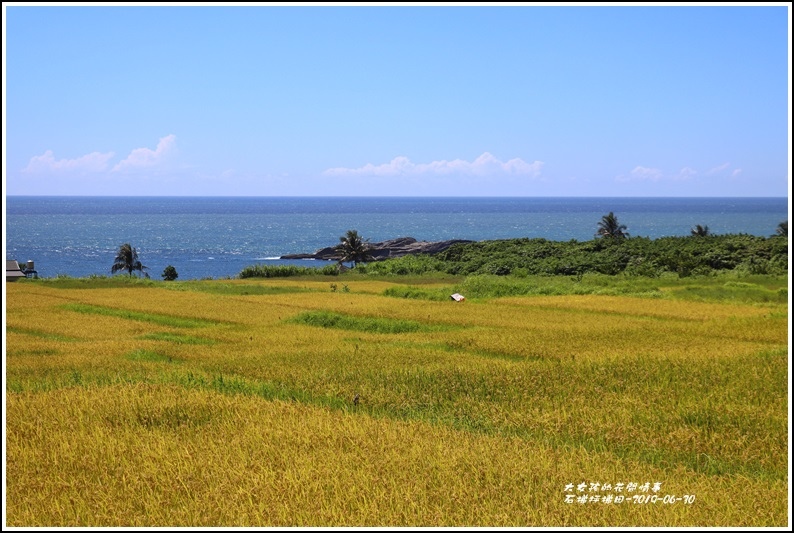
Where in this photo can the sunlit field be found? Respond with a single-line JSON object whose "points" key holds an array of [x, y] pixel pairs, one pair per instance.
{"points": [[366, 402]]}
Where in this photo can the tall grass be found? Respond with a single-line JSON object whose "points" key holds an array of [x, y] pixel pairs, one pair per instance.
{"points": [[285, 271]]}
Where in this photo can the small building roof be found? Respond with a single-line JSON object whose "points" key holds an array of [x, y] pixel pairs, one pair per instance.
{"points": [[13, 270]]}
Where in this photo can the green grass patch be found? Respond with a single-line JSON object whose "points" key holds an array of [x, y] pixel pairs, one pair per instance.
{"points": [[37, 352], [96, 282], [486, 286], [732, 291], [419, 293], [176, 338], [231, 289], [720, 288], [163, 320], [40, 334], [150, 356], [328, 319]]}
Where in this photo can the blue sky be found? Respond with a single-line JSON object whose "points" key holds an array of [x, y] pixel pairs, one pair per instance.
{"points": [[521, 100]]}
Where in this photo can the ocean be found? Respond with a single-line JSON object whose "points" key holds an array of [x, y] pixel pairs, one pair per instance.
{"points": [[217, 237]]}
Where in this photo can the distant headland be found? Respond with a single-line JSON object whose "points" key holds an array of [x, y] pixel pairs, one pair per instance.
{"points": [[385, 249]]}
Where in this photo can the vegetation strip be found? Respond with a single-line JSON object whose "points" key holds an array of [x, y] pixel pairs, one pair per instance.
{"points": [[233, 289], [176, 338], [40, 334], [485, 286], [286, 271], [329, 319], [638, 256], [165, 320]]}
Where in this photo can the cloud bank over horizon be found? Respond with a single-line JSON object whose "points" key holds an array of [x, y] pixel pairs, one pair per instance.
{"points": [[485, 165], [144, 157], [96, 162], [649, 174], [93, 162]]}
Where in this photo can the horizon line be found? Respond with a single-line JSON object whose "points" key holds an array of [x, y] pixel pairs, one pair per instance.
{"points": [[361, 196]]}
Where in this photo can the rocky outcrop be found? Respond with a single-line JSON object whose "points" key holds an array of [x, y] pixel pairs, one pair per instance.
{"points": [[384, 250]]}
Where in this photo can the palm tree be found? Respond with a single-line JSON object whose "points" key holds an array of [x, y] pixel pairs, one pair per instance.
{"points": [[353, 248], [700, 231], [610, 228], [782, 229], [127, 259]]}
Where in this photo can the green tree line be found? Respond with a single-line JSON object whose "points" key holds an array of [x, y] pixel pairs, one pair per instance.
{"points": [[685, 256]]}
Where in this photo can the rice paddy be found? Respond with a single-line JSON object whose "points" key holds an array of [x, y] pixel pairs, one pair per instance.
{"points": [[231, 403]]}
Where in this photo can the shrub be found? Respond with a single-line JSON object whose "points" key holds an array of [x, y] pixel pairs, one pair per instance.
{"points": [[285, 271], [169, 273]]}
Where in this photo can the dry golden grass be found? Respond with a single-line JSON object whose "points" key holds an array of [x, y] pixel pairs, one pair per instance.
{"points": [[207, 406], [145, 455]]}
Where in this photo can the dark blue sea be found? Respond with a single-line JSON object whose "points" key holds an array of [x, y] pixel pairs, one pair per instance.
{"points": [[217, 237]]}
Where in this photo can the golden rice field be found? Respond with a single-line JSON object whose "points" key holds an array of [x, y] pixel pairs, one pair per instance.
{"points": [[231, 403]]}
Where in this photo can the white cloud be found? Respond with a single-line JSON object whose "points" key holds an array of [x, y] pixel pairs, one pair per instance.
{"points": [[686, 173], [145, 157], [724, 169], [646, 174], [717, 169], [485, 165], [93, 162], [642, 174], [96, 162]]}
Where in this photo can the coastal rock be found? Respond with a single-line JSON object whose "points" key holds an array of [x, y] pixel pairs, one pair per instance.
{"points": [[385, 249]]}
